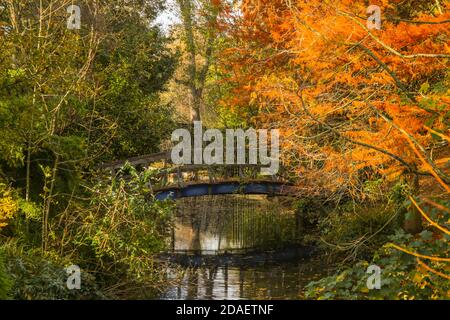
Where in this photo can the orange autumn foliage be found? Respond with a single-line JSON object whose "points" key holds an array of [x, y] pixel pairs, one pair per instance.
{"points": [[341, 93]]}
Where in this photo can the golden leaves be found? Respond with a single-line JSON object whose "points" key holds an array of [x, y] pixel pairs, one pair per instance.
{"points": [[8, 208]]}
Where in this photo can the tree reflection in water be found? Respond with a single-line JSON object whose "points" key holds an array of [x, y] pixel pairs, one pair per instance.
{"points": [[233, 223], [211, 226], [282, 281]]}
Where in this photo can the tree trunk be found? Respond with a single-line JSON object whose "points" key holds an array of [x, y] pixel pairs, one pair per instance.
{"points": [[196, 75], [413, 219]]}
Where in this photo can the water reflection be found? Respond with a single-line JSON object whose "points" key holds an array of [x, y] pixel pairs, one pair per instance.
{"points": [[217, 224], [207, 227], [284, 281]]}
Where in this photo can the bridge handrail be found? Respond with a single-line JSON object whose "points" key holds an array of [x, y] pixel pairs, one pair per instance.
{"points": [[144, 159]]}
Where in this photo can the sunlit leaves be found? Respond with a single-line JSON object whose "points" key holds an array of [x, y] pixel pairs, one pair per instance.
{"points": [[312, 49]]}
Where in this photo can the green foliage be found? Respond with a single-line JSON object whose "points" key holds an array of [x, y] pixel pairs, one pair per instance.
{"points": [[5, 280], [70, 100], [122, 226], [84, 102], [403, 277], [399, 193], [372, 189], [134, 71], [311, 210], [30, 210], [358, 230], [114, 233], [37, 277]]}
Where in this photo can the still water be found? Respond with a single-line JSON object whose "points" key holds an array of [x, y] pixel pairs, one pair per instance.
{"points": [[233, 223], [284, 280], [239, 247]]}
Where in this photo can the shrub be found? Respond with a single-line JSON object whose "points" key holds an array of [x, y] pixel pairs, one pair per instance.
{"points": [[5, 280], [38, 277], [402, 277], [8, 206], [358, 230], [120, 229]]}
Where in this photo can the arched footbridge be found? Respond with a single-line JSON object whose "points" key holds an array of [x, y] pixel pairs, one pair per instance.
{"points": [[174, 182]]}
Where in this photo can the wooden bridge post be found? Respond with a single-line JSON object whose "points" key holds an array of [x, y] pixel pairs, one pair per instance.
{"points": [[211, 175], [180, 178]]}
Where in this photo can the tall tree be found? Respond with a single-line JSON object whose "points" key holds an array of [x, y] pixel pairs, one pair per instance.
{"points": [[70, 97], [199, 18], [353, 103]]}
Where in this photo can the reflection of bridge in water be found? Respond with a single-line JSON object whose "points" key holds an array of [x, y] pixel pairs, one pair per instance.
{"points": [[228, 283], [223, 208], [232, 224], [267, 281]]}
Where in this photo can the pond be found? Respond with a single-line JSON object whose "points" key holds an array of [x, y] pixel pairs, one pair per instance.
{"points": [[278, 280], [239, 247], [233, 223]]}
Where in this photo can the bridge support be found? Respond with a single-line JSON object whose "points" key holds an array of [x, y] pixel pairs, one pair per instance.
{"points": [[205, 189]]}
